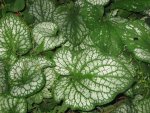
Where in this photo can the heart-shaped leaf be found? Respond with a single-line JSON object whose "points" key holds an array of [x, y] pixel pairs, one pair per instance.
{"points": [[14, 36], [48, 35], [10, 104], [88, 78], [26, 76]]}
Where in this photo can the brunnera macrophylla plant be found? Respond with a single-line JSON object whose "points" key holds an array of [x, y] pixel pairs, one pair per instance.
{"points": [[88, 78], [80, 56]]}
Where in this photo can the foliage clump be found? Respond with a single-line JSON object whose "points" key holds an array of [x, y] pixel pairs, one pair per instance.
{"points": [[80, 56]]}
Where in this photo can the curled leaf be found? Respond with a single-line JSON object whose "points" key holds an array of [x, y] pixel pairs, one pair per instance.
{"points": [[47, 34], [46, 91], [50, 79], [26, 76]]}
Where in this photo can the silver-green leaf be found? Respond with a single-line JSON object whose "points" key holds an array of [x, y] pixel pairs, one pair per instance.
{"points": [[26, 76], [10, 104], [46, 91], [42, 10], [14, 36], [88, 78], [48, 35]]}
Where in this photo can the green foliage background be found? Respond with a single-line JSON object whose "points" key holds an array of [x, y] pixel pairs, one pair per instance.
{"points": [[119, 29]]}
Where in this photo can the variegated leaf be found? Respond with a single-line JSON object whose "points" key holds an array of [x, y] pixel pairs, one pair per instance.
{"points": [[26, 76], [10, 104], [88, 78], [48, 35], [46, 91], [142, 106], [42, 10], [14, 36]]}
